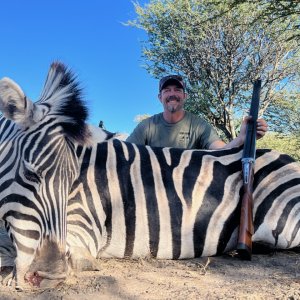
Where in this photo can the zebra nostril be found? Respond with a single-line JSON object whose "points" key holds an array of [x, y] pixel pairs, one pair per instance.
{"points": [[34, 279]]}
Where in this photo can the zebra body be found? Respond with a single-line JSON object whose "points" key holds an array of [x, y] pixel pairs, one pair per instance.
{"points": [[136, 201]]}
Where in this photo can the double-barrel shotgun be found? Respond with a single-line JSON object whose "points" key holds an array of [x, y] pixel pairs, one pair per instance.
{"points": [[246, 229]]}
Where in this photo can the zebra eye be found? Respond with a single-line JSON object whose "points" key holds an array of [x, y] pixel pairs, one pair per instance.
{"points": [[31, 174]]}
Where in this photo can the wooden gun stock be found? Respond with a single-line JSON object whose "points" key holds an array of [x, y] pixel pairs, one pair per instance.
{"points": [[246, 230]]}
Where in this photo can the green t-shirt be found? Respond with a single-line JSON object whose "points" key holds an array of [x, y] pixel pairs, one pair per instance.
{"points": [[192, 132]]}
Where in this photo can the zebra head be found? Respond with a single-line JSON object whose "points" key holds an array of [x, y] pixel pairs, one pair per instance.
{"points": [[38, 164]]}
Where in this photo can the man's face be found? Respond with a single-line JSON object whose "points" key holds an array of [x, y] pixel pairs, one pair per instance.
{"points": [[172, 98]]}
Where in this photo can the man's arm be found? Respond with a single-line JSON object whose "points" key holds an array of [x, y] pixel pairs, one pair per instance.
{"points": [[138, 136], [261, 128]]}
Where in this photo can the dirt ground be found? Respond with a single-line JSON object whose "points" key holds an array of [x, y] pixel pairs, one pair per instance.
{"points": [[274, 276]]}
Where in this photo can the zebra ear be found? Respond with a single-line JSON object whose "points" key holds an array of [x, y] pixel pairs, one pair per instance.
{"points": [[13, 102]]}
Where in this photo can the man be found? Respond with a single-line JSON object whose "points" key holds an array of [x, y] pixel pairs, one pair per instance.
{"points": [[175, 127]]}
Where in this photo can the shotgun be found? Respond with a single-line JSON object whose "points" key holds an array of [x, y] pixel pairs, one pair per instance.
{"points": [[246, 229]]}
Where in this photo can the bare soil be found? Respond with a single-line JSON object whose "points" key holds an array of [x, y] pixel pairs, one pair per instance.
{"points": [[274, 276]]}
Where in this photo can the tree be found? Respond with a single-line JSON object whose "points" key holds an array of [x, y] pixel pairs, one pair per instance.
{"points": [[219, 58], [272, 11]]}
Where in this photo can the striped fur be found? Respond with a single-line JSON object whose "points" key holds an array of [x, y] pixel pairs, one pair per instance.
{"points": [[136, 201]]}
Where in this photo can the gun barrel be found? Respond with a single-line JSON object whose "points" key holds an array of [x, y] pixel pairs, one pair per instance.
{"points": [[250, 141]]}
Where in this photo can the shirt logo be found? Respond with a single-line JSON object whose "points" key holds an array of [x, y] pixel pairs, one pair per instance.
{"points": [[184, 138]]}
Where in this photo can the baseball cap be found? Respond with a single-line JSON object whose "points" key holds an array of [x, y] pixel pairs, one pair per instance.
{"points": [[171, 79]]}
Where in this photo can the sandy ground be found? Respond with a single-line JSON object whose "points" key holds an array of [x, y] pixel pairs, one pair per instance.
{"points": [[274, 276]]}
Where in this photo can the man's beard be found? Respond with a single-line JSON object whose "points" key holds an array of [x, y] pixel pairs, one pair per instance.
{"points": [[172, 107]]}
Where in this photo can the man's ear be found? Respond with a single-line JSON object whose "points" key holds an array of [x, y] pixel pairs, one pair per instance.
{"points": [[185, 96], [159, 97]]}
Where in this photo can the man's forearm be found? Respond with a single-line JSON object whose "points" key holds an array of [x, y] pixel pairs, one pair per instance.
{"points": [[237, 142], [232, 144]]}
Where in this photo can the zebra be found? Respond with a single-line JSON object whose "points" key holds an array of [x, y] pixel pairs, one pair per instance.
{"points": [[135, 201]]}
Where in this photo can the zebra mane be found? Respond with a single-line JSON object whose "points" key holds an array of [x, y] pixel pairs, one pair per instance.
{"points": [[62, 96]]}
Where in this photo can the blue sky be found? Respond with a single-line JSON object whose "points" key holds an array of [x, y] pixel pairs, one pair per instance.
{"points": [[90, 38]]}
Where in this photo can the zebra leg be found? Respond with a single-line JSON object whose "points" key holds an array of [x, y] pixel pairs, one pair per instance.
{"points": [[11, 279], [7, 249], [6, 275], [7, 257], [22, 264]]}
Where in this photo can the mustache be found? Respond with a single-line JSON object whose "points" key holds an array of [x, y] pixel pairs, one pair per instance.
{"points": [[173, 97]]}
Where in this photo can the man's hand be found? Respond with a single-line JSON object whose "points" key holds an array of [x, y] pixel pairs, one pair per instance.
{"points": [[261, 128]]}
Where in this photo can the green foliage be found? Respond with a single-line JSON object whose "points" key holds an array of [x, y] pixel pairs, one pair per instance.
{"points": [[285, 144], [269, 12], [220, 57], [284, 112]]}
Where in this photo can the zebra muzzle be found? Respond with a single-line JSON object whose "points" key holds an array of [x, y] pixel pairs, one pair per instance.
{"points": [[37, 277]]}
